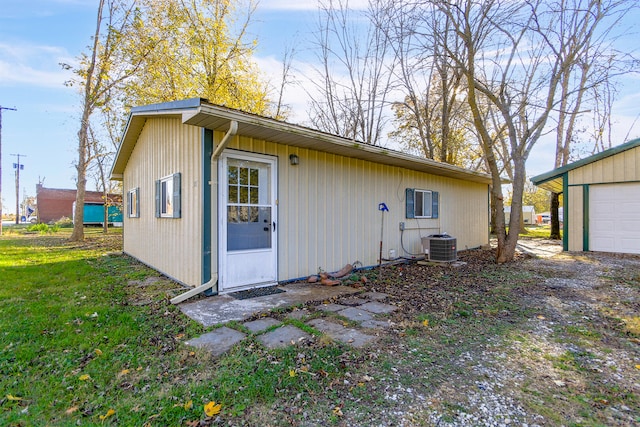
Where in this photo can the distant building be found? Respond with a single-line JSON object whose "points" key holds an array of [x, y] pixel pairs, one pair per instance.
{"points": [[56, 203], [528, 215]]}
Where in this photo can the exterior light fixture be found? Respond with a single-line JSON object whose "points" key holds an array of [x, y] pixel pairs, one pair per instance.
{"points": [[294, 159]]}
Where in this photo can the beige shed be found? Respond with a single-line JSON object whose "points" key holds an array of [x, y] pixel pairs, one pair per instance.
{"points": [[222, 199], [601, 200]]}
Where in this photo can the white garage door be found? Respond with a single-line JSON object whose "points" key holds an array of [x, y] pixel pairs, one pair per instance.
{"points": [[614, 218]]}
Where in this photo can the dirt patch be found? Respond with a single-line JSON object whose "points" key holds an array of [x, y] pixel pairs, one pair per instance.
{"points": [[539, 341]]}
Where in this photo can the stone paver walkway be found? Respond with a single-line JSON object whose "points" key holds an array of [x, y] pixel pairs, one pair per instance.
{"points": [[284, 336], [365, 310], [219, 341], [261, 324]]}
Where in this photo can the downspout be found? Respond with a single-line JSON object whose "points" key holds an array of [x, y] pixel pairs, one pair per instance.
{"points": [[233, 129]]}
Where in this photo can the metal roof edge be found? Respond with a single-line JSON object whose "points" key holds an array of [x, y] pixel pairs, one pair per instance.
{"points": [[192, 106], [548, 176], [140, 113], [274, 124], [168, 106]]}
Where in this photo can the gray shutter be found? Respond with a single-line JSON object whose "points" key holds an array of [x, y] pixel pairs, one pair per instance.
{"points": [[409, 203], [434, 204], [176, 195], [158, 191], [137, 202]]}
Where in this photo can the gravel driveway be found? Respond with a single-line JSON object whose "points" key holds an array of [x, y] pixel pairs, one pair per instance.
{"points": [[541, 341]]}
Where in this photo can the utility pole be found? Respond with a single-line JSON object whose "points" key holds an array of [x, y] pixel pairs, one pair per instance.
{"points": [[2, 108], [17, 167]]}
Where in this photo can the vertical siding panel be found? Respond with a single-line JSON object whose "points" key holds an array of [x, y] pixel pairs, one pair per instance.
{"points": [[618, 165], [576, 175], [327, 206], [634, 165], [596, 173], [575, 219], [173, 246], [607, 169], [631, 172]]}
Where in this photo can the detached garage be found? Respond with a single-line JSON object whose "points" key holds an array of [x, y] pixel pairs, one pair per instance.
{"points": [[601, 199]]}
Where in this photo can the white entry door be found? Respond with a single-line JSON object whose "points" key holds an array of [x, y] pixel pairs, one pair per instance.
{"points": [[247, 221], [614, 211]]}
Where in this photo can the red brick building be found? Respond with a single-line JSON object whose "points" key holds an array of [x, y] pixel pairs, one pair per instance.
{"points": [[56, 203]]}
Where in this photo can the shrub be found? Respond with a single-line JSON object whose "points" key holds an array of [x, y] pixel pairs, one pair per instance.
{"points": [[64, 222], [43, 228]]}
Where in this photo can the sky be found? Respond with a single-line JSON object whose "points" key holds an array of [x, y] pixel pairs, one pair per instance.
{"points": [[36, 36]]}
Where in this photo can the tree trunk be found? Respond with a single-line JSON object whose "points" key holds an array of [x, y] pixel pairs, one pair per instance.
{"points": [[508, 250], [493, 212], [83, 134], [81, 183], [555, 219]]}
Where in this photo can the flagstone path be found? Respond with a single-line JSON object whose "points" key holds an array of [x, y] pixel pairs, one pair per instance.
{"points": [[366, 311]]}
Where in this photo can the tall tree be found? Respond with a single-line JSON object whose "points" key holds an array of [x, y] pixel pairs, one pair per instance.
{"points": [[97, 73], [354, 75], [584, 40], [433, 119], [200, 48], [511, 69]]}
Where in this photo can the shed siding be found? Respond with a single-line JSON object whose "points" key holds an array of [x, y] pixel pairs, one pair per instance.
{"points": [[575, 218], [619, 168], [328, 209], [172, 246]]}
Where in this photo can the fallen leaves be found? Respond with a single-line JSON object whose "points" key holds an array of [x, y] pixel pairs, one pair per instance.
{"points": [[109, 413], [186, 406], [13, 398], [338, 411], [212, 408], [84, 377]]}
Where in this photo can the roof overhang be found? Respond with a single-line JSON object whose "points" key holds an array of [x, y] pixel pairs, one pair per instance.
{"points": [[198, 112], [553, 180]]}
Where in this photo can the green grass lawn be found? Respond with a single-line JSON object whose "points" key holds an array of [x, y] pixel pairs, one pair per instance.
{"points": [[86, 340], [537, 232], [76, 350]]}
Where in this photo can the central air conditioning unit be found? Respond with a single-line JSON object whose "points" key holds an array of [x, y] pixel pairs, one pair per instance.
{"points": [[440, 247]]}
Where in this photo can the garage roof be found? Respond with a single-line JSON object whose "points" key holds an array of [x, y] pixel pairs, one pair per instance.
{"points": [[199, 112], [552, 180]]}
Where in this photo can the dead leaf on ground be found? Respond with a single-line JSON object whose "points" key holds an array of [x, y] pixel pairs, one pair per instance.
{"points": [[211, 408], [109, 413]]}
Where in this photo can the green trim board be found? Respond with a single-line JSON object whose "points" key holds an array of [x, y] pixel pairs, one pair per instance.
{"points": [[565, 210], [585, 217], [606, 183], [207, 219]]}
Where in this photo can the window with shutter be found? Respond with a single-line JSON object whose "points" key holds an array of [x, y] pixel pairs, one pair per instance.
{"points": [[168, 197], [421, 203]]}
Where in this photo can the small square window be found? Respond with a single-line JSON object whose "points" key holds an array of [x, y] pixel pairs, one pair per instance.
{"points": [[421, 203], [133, 203], [168, 197]]}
